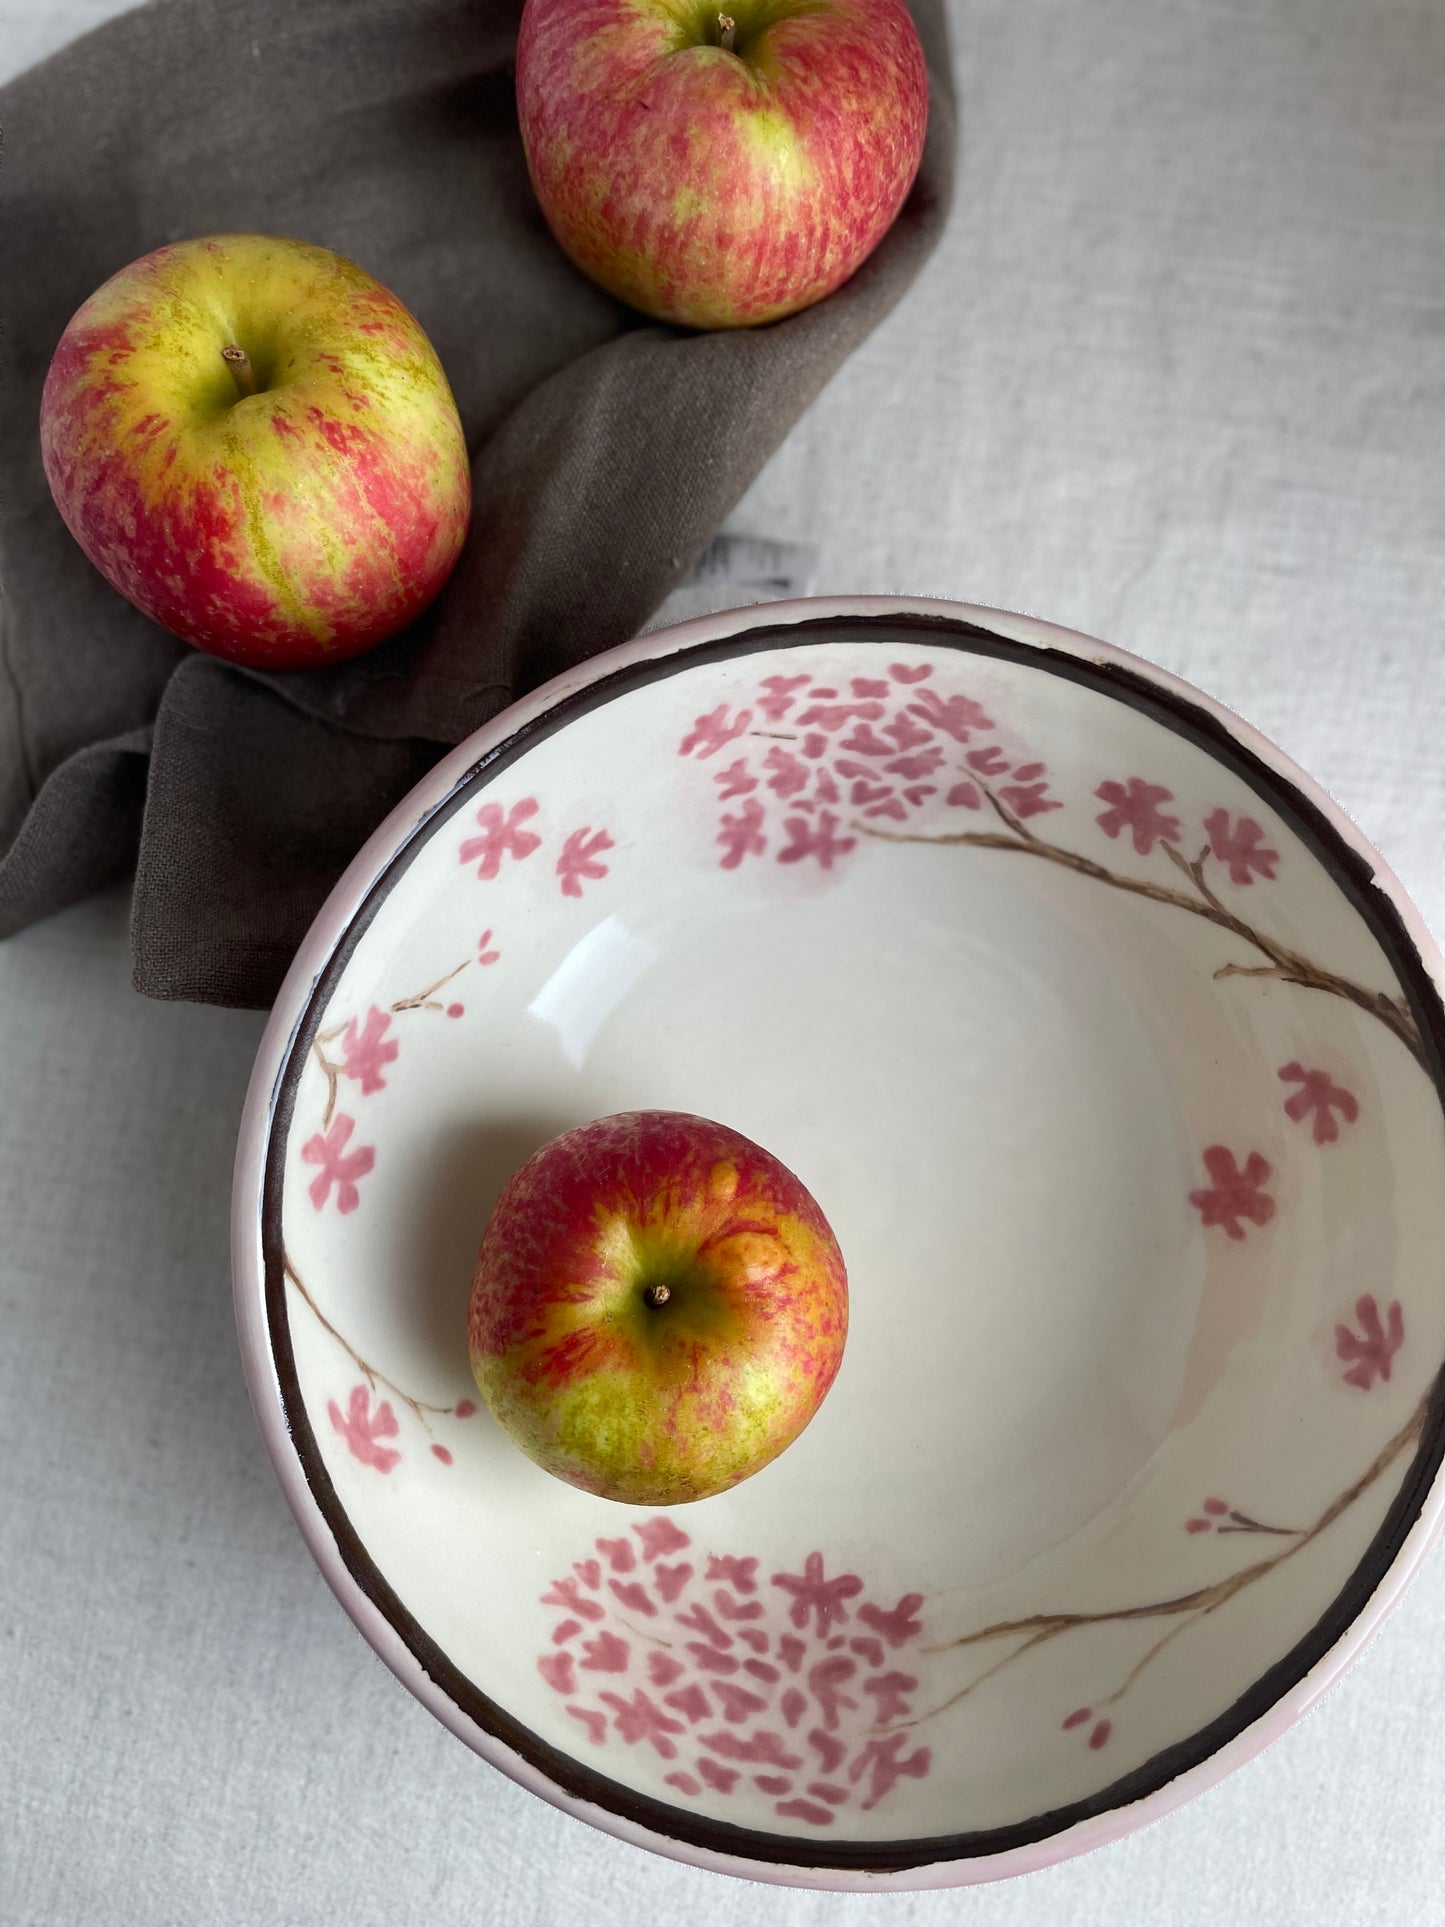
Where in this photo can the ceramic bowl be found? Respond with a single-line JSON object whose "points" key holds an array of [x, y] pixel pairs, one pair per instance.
{"points": [[1113, 1054]]}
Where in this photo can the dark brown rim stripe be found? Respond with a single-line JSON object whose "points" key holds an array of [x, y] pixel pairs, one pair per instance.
{"points": [[1355, 878]]}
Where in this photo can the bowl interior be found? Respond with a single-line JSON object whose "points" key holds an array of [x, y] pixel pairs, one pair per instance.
{"points": [[1116, 1079]]}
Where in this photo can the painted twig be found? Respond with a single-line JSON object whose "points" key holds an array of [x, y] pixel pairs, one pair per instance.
{"points": [[1285, 965], [370, 1372], [1189, 1607]]}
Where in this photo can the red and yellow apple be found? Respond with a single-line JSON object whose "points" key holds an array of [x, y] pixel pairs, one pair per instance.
{"points": [[255, 443], [658, 1308], [720, 168]]}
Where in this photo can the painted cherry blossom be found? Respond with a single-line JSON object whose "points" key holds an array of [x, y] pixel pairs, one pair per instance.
{"points": [[502, 836], [363, 1428], [579, 858], [1369, 1352], [1235, 1192], [366, 1049], [1134, 806], [712, 732], [1242, 849], [339, 1166], [1318, 1096], [1098, 1733], [1218, 1515], [485, 954]]}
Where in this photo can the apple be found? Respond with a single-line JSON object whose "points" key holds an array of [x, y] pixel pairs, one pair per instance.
{"points": [[658, 1308], [720, 168], [254, 442]]}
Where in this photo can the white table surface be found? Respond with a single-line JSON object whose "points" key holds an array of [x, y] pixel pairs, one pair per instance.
{"points": [[1176, 378]]}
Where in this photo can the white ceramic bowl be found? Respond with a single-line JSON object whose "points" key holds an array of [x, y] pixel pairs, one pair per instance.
{"points": [[1113, 1054]]}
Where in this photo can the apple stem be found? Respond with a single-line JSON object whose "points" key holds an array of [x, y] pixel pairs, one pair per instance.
{"points": [[656, 1295], [239, 363], [726, 31]]}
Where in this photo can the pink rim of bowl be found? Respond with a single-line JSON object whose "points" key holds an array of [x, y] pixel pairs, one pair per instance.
{"points": [[260, 1364]]}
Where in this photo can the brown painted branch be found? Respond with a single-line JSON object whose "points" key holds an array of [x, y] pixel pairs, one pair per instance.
{"points": [[1143, 1663], [1285, 964], [331, 1072], [1041, 1627], [423, 998], [371, 1374]]}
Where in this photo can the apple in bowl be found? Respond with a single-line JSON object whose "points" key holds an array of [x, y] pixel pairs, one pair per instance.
{"points": [[659, 1308], [720, 168], [254, 442]]}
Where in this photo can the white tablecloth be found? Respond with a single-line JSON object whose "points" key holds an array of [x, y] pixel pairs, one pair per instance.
{"points": [[1177, 378]]}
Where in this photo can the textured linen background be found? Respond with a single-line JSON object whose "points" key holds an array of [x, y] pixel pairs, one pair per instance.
{"points": [[1177, 377]]}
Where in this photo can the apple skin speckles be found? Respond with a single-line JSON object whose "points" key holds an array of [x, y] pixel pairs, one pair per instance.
{"points": [[718, 188], [656, 1398], [295, 526]]}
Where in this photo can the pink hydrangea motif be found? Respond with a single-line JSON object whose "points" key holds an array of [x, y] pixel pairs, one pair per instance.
{"points": [[734, 780], [579, 859], [819, 840], [830, 716], [363, 1429], [1134, 806], [338, 1166], [812, 1593], [1029, 799], [502, 836], [780, 694], [1318, 1095], [885, 1763], [1369, 1352], [641, 1719], [956, 716], [366, 1049], [742, 835], [899, 1624], [712, 732], [660, 1536], [1235, 1193], [788, 775], [1241, 849], [739, 1686], [875, 754]]}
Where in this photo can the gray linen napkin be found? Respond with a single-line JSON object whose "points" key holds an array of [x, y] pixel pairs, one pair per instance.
{"points": [[605, 451]]}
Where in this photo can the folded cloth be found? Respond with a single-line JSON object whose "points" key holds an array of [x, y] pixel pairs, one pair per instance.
{"points": [[605, 451]]}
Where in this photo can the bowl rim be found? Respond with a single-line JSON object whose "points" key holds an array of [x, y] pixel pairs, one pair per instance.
{"points": [[1416, 1514]]}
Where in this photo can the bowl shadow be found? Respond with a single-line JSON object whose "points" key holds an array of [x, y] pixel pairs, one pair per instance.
{"points": [[466, 1168]]}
